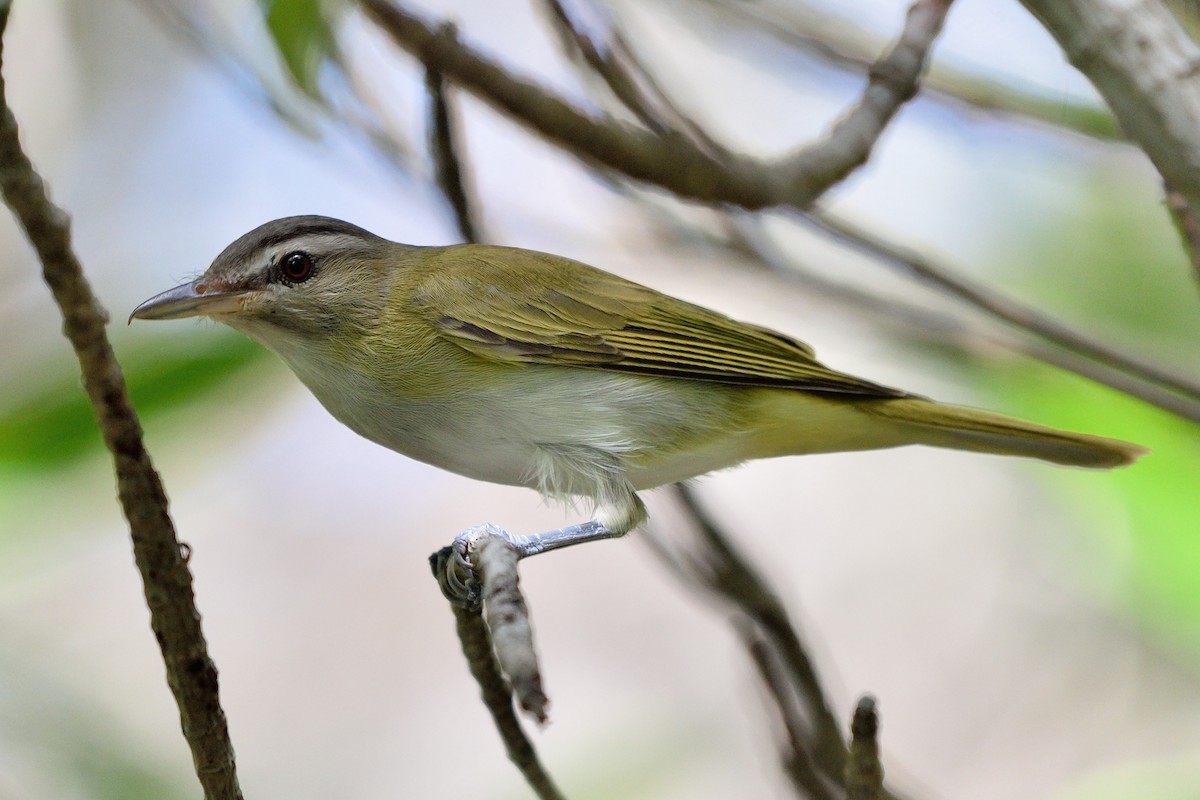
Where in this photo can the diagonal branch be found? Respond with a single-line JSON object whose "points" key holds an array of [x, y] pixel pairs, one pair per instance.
{"points": [[893, 82], [670, 160], [191, 674], [721, 570], [1144, 65], [607, 54], [443, 149], [476, 642]]}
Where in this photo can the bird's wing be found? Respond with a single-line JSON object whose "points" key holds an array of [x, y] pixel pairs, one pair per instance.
{"points": [[495, 302]]}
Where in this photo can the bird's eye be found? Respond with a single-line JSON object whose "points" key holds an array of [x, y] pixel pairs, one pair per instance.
{"points": [[296, 267]]}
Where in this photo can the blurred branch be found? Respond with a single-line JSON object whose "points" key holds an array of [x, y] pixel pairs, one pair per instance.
{"points": [[893, 82], [808, 27], [443, 148], [610, 57], [477, 647], [818, 756], [670, 160], [1144, 65], [167, 581], [798, 764], [864, 773]]}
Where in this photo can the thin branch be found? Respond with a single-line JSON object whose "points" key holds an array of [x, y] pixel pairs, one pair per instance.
{"points": [[716, 566], [798, 763], [608, 55], [477, 647], [478, 575], [672, 161], [1144, 65], [1025, 317], [724, 572], [893, 82], [443, 148], [167, 581], [507, 617]]}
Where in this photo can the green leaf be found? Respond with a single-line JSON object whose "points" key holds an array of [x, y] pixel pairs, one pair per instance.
{"points": [[304, 37], [54, 424]]}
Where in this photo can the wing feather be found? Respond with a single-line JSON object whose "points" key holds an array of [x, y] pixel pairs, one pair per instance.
{"points": [[493, 302]]}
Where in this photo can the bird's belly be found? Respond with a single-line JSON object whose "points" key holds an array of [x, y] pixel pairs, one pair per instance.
{"points": [[652, 430]]}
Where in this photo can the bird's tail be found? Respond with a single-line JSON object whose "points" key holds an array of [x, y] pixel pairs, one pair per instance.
{"points": [[968, 429]]}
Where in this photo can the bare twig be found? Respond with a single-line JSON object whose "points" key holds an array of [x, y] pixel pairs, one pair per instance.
{"points": [[477, 647], [864, 773], [478, 575], [808, 781], [893, 82], [167, 581], [724, 572], [819, 755], [507, 617], [629, 81], [443, 147]]}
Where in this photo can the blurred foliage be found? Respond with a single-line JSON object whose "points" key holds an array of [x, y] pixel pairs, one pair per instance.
{"points": [[1113, 260], [1153, 780], [54, 423], [304, 37]]}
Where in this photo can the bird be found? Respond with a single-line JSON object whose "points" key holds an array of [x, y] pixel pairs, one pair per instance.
{"points": [[525, 368]]}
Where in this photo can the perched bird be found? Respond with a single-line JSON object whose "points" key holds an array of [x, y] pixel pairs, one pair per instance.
{"points": [[525, 368]]}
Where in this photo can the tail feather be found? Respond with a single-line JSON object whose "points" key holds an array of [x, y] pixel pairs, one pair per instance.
{"points": [[968, 429]]}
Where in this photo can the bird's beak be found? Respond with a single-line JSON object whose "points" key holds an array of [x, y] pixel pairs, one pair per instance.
{"points": [[194, 299]]}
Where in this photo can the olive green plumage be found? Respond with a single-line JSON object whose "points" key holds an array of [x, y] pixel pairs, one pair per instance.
{"points": [[526, 368]]}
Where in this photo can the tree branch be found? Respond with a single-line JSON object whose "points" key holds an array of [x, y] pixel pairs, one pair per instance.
{"points": [[443, 149], [167, 581], [672, 161], [1145, 67], [478, 575], [497, 697]]}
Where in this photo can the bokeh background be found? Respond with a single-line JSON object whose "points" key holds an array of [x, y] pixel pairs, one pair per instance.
{"points": [[1029, 631]]}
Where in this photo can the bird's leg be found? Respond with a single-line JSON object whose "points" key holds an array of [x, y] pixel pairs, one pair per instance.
{"points": [[618, 511], [454, 566], [535, 543]]}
